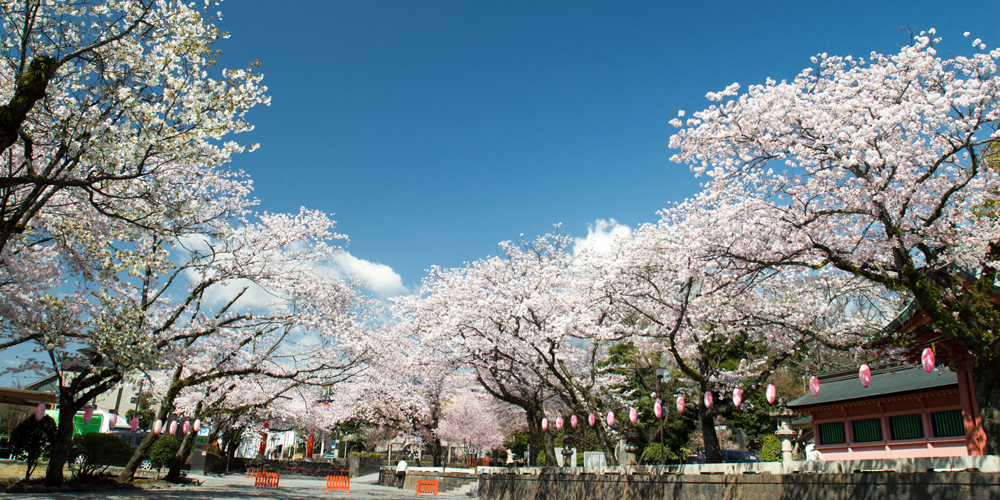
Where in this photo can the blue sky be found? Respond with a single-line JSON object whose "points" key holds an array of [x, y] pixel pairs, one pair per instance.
{"points": [[434, 130]]}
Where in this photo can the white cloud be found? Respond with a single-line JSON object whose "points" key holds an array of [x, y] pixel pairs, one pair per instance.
{"points": [[217, 295], [601, 236], [379, 278]]}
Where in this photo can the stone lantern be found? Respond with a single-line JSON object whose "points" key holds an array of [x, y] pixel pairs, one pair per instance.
{"points": [[567, 452], [784, 432]]}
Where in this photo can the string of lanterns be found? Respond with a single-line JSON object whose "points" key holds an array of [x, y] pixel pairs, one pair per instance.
{"points": [[864, 375]]}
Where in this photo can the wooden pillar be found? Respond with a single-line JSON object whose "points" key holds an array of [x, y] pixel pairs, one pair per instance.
{"points": [[975, 436]]}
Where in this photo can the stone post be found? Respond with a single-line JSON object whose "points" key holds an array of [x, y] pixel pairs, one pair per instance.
{"points": [[784, 432], [568, 451]]}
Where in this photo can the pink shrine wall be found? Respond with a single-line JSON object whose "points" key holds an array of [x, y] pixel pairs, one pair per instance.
{"points": [[923, 404]]}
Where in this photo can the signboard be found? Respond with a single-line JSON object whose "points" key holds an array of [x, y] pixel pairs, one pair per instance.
{"points": [[200, 450]]}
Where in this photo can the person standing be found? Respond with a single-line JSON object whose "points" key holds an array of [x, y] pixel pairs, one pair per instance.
{"points": [[401, 472]]}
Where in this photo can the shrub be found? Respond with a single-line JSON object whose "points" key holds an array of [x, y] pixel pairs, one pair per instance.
{"points": [[99, 451], [374, 455], [651, 455], [540, 461], [215, 461], [770, 448], [164, 450], [32, 439]]}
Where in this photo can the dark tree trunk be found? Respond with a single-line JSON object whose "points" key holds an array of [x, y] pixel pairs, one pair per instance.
{"points": [[177, 463], [63, 443], [534, 436], [550, 449], [986, 376], [706, 419], [128, 473], [166, 406], [435, 446], [606, 446]]}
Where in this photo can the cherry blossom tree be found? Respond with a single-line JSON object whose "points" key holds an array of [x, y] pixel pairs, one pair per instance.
{"points": [[404, 387], [527, 325], [280, 258], [725, 326], [871, 168], [471, 420], [113, 106]]}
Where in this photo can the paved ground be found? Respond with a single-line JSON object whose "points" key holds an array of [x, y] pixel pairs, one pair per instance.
{"points": [[237, 486]]}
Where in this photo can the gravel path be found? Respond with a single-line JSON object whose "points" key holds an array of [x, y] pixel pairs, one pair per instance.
{"points": [[237, 486]]}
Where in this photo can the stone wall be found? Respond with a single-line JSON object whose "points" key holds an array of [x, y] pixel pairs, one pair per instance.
{"points": [[297, 467], [447, 481], [362, 466], [866, 485], [987, 463]]}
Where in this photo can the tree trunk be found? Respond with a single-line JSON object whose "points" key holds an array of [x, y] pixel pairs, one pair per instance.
{"points": [[166, 406], [606, 446], [534, 436], [128, 473], [550, 450], [987, 379], [706, 418], [435, 446], [63, 443], [180, 458]]}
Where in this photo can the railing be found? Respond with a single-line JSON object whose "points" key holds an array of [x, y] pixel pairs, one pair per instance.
{"points": [[338, 483], [266, 479], [427, 486]]}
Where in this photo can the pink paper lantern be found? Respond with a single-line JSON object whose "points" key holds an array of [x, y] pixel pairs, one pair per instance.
{"points": [[112, 421], [187, 426], [40, 411], [927, 358], [558, 423], [680, 404], [814, 386], [708, 399], [737, 397], [591, 419], [157, 427], [771, 393], [88, 414], [572, 421], [865, 374], [135, 424], [197, 425], [173, 427], [611, 418], [658, 409], [545, 424]]}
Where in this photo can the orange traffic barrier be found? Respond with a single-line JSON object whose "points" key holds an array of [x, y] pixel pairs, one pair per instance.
{"points": [[253, 472], [477, 462], [266, 479], [427, 486], [338, 483]]}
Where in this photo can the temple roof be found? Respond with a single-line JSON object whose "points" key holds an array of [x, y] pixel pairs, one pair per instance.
{"points": [[845, 386]]}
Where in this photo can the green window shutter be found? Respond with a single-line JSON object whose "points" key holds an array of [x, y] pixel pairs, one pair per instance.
{"points": [[867, 430], [906, 427], [832, 433], [948, 423]]}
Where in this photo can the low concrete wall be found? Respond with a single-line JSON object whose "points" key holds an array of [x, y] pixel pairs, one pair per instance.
{"points": [[869, 486], [297, 467], [362, 466], [988, 463], [447, 481]]}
